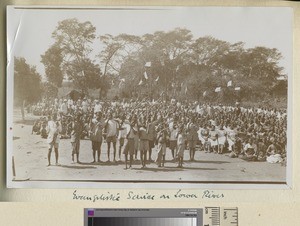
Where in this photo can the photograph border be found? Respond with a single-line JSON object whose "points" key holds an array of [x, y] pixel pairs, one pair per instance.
{"points": [[129, 183]]}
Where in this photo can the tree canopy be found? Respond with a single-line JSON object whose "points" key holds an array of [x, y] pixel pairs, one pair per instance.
{"points": [[181, 65], [52, 60], [73, 39], [27, 82]]}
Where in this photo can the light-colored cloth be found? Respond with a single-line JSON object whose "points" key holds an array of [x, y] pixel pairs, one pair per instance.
{"points": [[173, 133], [53, 130], [123, 131], [70, 103], [64, 108], [161, 151], [112, 128], [97, 108], [230, 138], [221, 137], [180, 145], [213, 138], [96, 130], [248, 146], [84, 105], [274, 158]]}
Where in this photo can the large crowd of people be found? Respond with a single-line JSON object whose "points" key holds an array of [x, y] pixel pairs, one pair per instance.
{"points": [[135, 128]]}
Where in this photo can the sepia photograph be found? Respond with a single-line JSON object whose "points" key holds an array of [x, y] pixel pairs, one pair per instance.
{"points": [[173, 96]]}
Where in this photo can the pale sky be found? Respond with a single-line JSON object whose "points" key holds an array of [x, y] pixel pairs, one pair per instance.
{"points": [[29, 30]]}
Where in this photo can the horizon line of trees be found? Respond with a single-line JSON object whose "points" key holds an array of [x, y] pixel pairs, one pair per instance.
{"points": [[181, 65]]}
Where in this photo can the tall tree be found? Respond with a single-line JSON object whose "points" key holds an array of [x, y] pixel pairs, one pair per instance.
{"points": [[116, 50], [167, 52], [74, 39], [52, 60], [210, 51], [27, 83], [262, 62]]}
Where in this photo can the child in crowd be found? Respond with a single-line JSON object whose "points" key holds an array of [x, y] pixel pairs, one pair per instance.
{"points": [[181, 138]]}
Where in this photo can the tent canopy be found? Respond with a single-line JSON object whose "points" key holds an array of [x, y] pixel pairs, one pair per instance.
{"points": [[75, 94]]}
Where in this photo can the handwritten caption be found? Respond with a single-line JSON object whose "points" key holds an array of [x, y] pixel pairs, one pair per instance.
{"points": [[132, 195]]}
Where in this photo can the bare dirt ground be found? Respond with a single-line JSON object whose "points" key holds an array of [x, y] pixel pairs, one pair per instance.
{"points": [[30, 154]]}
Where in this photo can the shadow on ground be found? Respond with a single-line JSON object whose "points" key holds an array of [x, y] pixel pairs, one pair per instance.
{"points": [[28, 122], [77, 167], [215, 162], [162, 169]]}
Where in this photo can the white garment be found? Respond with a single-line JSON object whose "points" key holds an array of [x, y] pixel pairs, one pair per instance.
{"points": [[247, 146], [123, 131], [221, 137], [64, 108], [230, 138], [173, 133], [70, 103], [84, 105], [274, 158], [97, 108], [52, 129], [201, 138], [112, 127]]}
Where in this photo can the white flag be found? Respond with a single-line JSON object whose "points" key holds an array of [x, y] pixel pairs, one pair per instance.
{"points": [[122, 82], [281, 78], [229, 83], [145, 75], [237, 88], [218, 89], [157, 79], [141, 82], [148, 64]]}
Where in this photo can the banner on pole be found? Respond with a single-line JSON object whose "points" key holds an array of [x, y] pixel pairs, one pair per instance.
{"points": [[122, 82], [218, 89], [145, 75], [148, 64]]}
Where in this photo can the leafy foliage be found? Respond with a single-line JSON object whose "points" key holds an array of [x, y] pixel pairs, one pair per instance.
{"points": [[187, 68], [52, 60], [181, 66], [27, 82], [73, 38]]}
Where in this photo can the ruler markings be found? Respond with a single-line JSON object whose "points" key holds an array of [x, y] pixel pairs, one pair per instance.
{"points": [[217, 216]]}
